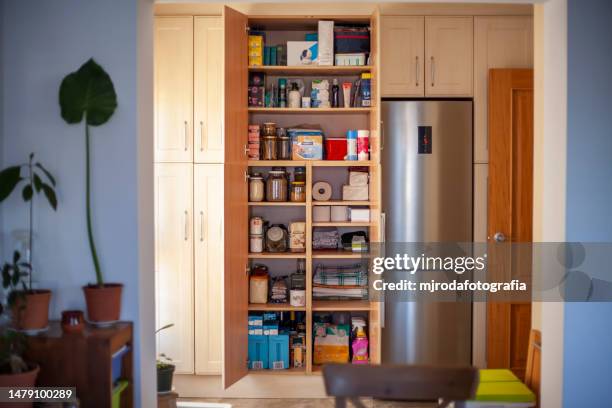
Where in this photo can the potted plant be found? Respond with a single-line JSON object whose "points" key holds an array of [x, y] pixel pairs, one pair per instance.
{"points": [[14, 371], [33, 313], [165, 368], [88, 95]]}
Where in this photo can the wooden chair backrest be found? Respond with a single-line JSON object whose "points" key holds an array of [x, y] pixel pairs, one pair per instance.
{"points": [[534, 360]]}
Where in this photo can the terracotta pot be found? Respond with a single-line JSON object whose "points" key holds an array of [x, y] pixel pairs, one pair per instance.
{"points": [[32, 311], [103, 302], [72, 321], [27, 379]]}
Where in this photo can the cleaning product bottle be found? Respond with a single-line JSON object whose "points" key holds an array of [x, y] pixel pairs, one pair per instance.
{"points": [[360, 343], [335, 102], [295, 97]]}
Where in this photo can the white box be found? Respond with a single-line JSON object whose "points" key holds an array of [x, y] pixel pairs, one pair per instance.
{"points": [[359, 214], [302, 53], [339, 213], [351, 59], [321, 213], [326, 42], [355, 193], [358, 178]]}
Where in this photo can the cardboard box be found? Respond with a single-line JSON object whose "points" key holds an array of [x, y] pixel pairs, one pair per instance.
{"points": [[326, 42], [355, 193], [307, 147], [258, 352], [302, 53], [351, 59], [278, 352]]}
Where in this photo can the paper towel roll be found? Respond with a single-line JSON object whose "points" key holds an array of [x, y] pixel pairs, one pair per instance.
{"points": [[321, 191], [339, 213]]}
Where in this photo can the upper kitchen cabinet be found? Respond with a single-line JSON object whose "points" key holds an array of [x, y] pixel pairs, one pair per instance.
{"points": [[402, 56], [173, 89], [500, 42], [208, 90], [448, 56]]}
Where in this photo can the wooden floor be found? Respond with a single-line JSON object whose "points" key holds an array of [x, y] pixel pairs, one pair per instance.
{"points": [[302, 403]]}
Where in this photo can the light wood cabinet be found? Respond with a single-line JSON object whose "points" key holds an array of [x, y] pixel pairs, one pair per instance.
{"points": [[174, 262], [499, 42], [402, 56], [208, 90], [448, 56], [481, 178], [173, 92], [209, 248]]}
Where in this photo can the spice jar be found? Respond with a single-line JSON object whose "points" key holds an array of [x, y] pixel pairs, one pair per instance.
{"points": [[258, 284], [268, 151], [276, 186], [256, 187], [298, 191]]}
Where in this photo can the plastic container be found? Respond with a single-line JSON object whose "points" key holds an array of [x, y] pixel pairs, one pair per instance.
{"points": [[258, 352], [278, 352], [258, 287], [283, 149], [351, 145], [268, 150], [335, 148]]}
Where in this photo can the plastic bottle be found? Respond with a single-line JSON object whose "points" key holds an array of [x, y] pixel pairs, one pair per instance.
{"points": [[360, 347], [282, 93], [335, 102], [351, 145], [295, 97]]}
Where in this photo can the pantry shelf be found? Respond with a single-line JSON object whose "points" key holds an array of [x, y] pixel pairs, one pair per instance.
{"points": [[313, 111], [275, 255], [276, 163], [289, 371], [275, 307], [276, 204], [313, 70], [356, 203], [339, 163], [341, 224], [340, 305], [337, 254]]}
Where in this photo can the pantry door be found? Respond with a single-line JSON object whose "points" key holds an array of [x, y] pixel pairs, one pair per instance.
{"points": [[510, 201], [235, 206]]}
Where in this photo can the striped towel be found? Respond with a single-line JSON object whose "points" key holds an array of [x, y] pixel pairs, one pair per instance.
{"points": [[340, 293], [343, 275]]}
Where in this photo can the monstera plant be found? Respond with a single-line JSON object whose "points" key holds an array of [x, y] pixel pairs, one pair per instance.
{"points": [[88, 96]]}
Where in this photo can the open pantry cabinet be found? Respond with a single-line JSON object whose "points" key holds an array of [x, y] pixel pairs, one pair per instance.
{"points": [[237, 168]]}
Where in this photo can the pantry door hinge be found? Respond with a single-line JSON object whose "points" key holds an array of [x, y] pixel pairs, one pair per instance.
{"points": [[247, 269], [246, 176], [247, 28], [246, 150]]}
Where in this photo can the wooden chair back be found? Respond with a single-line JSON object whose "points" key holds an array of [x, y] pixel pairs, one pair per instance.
{"points": [[348, 382], [534, 360]]}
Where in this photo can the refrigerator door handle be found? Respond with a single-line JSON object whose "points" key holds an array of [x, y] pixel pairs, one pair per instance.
{"points": [[383, 238]]}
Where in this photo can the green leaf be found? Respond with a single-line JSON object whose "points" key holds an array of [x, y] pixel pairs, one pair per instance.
{"points": [[49, 176], [27, 192], [50, 194], [88, 92], [9, 178], [37, 183]]}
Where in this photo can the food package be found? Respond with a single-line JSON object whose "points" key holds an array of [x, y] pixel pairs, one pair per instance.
{"points": [[358, 178], [302, 53], [307, 147], [255, 50], [319, 95], [357, 59], [326, 42], [297, 236], [258, 352], [321, 213], [355, 193], [331, 343], [359, 214]]}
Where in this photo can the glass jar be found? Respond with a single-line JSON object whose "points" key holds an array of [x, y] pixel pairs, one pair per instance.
{"points": [[298, 191], [276, 186], [276, 238], [268, 151], [256, 188], [268, 129], [258, 284], [299, 174], [283, 148]]}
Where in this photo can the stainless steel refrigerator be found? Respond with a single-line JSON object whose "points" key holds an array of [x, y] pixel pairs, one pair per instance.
{"points": [[427, 197]]}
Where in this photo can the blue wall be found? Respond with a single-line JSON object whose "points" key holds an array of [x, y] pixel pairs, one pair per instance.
{"points": [[588, 326], [41, 42]]}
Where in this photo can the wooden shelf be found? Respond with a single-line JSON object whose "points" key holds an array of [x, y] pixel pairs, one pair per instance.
{"points": [[337, 254], [277, 255], [289, 371], [275, 307], [313, 70], [276, 204], [341, 224], [340, 305], [339, 163], [341, 202], [309, 111], [276, 163]]}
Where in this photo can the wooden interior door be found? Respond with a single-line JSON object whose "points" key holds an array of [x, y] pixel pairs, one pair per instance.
{"points": [[510, 196], [236, 207], [403, 56]]}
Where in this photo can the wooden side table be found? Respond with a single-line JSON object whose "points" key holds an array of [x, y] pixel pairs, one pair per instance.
{"points": [[84, 360], [167, 400]]}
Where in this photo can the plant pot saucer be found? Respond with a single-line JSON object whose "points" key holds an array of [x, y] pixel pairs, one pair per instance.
{"points": [[30, 332], [107, 323]]}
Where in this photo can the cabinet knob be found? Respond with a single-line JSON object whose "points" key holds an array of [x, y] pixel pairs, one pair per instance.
{"points": [[499, 237]]}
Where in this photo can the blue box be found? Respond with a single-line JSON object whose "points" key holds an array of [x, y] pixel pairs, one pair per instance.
{"points": [[258, 352], [270, 328], [117, 363], [278, 352]]}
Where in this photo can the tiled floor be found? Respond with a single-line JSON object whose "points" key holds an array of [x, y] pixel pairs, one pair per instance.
{"points": [[304, 403]]}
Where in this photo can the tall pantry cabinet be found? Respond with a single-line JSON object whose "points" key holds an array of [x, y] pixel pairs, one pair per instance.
{"points": [[189, 155]]}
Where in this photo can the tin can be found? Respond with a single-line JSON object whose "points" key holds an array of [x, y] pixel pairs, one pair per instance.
{"points": [[256, 226]]}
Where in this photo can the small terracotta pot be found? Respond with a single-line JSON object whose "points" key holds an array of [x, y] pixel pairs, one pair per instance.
{"points": [[72, 321], [31, 310], [27, 379], [103, 302]]}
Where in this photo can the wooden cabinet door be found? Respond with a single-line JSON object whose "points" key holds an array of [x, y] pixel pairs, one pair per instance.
{"points": [[173, 89], [499, 42], [235, 210], [208, 231], [174, 262], [402, 56], [448, 56], [208, 90]]}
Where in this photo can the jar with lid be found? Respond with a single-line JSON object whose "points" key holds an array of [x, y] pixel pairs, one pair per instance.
{"points": [[268, 148], [299, 174], [256, 187], [258, 284], [268, 129], [276, 238], [283, 149], [298, 191], [276, 186]]}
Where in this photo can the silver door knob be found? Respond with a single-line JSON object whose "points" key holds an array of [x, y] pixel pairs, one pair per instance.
{"points": [[499, 237]]}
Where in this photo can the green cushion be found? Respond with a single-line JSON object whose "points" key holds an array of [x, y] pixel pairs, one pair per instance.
{"points": [[497, 375], [504, 391]]}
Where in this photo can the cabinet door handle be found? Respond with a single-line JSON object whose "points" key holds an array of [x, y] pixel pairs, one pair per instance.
{"points": [[201, 136], [201, 226], [186, 225], [186, 135], [433, 71], [416, 69]]}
